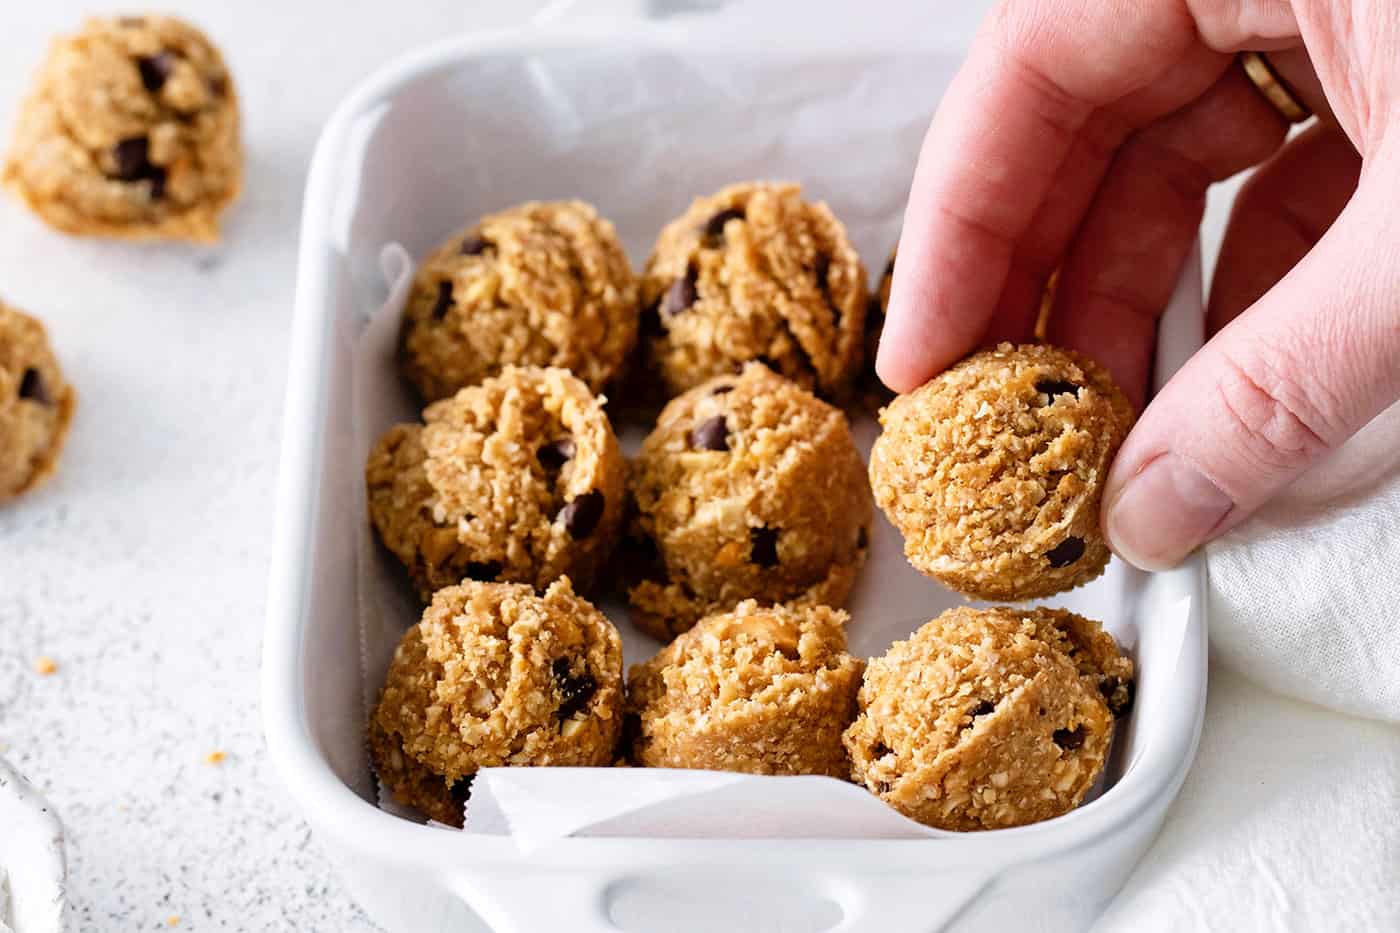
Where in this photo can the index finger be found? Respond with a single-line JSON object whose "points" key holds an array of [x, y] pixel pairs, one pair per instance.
{"points": [[1022, 121]]}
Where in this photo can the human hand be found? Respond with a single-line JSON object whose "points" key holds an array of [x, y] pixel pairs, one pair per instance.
{"points": [[1083, 134]]}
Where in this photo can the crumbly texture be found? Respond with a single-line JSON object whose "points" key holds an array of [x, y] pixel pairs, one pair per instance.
{"points": [[541, 284], [993, 471], [758, 690], [519, 479], [131, 130], [36, 404], [755, 273], [495, 675], [980, 721], [749, 487]]}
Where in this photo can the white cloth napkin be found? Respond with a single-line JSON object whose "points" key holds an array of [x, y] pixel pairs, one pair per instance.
{"points": [[1305, 597]]}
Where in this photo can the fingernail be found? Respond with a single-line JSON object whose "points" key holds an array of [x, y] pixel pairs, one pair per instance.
{"points": [[1164, 513]]}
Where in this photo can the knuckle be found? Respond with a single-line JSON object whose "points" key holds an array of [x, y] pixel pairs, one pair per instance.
{"points": [[1273, 414]]}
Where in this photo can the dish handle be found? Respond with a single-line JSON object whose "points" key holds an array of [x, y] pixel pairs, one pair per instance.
{"points": [[579, 901]]}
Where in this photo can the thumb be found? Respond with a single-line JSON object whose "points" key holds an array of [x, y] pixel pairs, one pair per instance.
{"points": [[1274, 391]]}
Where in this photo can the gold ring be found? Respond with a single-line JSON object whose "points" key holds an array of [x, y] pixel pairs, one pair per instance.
{"points": [[1275, 91]]}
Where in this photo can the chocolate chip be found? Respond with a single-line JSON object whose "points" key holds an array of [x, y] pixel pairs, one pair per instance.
{"points": [[680, 296], [444, 300], [983, 708], [1069, 739], [133, 158], [580, 516], [133, 163], [556, 453], [218, 85], [32, 387], [862, 539], [155, 70], [475, 246], [1118, 694], [462, 790], [1066, 552], [1054, 387], [724, 389], [711, 434], [631, 731], [879, 750], [575, 690], [714, 227], [882, 787], [763, 546], [484, 571]]}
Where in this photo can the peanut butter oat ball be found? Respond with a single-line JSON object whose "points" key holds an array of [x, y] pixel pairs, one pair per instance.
{"points": [[994, 470], [758, 690], [755, 273], [35, 404], [980, 720], [749, 487], [495, 675], [540, 284], [519, 479], [132, 131]]}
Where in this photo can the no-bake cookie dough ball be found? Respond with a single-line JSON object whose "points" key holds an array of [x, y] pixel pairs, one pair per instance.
{"points": [[35, 404], [519, 479], [759, 690], [495, 675], [979, 721], [749, 487], [993, 471], [542, 284], [131, 131], [755, 273]]}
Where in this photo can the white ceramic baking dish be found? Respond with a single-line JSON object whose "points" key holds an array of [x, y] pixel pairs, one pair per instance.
{"points": [[476, 123]]}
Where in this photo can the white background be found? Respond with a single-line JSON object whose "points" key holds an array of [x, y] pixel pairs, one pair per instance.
{"points": [[142, 568]]}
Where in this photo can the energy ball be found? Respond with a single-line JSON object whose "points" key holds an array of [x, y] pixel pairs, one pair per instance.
{"points": [[495, 675], [519, 479], [758, 690], [132, 131], [749, 487], [755, 273], [979, 721], [36, 405], [994, 470], [540, 284]]}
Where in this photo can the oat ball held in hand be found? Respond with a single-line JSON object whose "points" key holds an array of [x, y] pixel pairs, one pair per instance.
{"points": [[495, 675], [980, 720], [519, 479], [541, 284], [35, 404], [754, 272], [993, 471], [131, 130], [759, 690], [749, 487]]}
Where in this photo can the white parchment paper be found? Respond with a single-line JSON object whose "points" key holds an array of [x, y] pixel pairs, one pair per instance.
{"points": [[850, 132]]}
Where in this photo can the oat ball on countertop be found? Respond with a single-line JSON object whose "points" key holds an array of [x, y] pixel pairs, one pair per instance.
{"points": [[755, 273], [994, 470], [980, 720], [758, 690], [495, 675], [749, 487], [131, 130], [36, 404], [540, 284], [519, 479]]}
